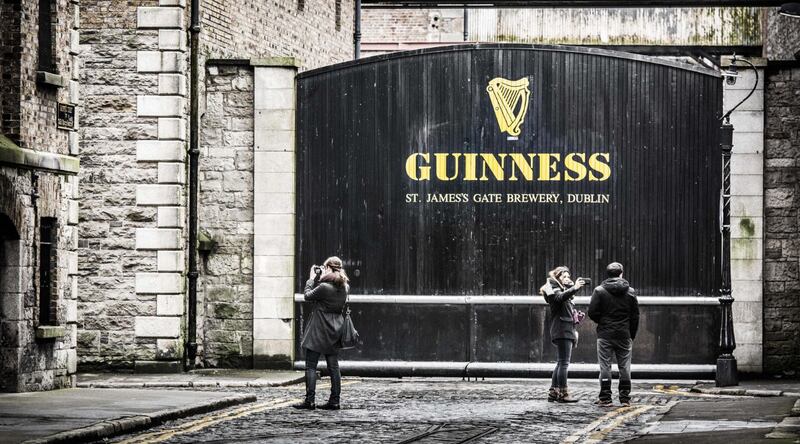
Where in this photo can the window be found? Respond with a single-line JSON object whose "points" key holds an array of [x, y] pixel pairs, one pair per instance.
{"points": [[338, 15], [301, 5], [48, 263], [46, 53]]}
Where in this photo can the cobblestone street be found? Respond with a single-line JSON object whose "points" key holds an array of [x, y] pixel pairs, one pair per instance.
{"points": [[398, 410]]}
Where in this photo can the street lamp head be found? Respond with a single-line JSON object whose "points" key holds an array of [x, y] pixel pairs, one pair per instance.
{"points": [[790, 10], [731, 73]]}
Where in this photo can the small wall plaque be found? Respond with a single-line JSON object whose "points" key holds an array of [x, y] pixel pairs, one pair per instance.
{"points": [[66, 116]]}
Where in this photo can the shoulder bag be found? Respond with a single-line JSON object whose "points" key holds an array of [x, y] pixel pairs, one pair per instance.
{"points": [[350, 337]]}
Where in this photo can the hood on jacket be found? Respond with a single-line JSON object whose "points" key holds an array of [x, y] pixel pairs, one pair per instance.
{"points": [[616, 286]]}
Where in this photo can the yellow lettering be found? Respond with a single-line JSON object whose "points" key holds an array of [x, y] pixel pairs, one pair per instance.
{"points": [[547, 165], [599, 166], [489, 160], [470, 166], [576, 167], [418, 172], [441, 165], [523, 165]]}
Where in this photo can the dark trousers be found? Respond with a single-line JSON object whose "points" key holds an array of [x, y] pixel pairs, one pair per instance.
{"points": [[621, 349], [563, 356], [312, 358]]}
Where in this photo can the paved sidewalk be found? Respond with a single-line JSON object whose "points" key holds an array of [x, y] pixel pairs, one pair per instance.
{"points": [[756, 387], [197, 378], [81, 415]]}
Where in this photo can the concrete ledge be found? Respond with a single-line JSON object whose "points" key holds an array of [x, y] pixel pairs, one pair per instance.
{"points": [[12, 154], [49, 332], [127, 424], [277, 61], [747, 392], [195, 384]]}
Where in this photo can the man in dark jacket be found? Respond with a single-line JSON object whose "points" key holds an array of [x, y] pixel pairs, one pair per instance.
{"points": [[616, 311]]}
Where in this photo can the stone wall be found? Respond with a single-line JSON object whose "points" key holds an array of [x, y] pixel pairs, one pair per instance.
{"points": [[132, 237], [248, 29], [37, 354], [412, 25], [225, 289], [782, 222]]}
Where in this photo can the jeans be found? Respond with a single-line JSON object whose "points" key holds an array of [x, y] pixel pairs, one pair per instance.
{"points": [[607, 349], [563, 356], [312, 358]]}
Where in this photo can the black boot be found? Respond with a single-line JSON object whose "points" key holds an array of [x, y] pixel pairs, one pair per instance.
{"points": [[552, 394], [605, 393], [311, 388], [330, 405], [563, 396], [625, 393]]}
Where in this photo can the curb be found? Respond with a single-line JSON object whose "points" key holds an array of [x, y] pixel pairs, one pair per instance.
{"points": [[191, 384], [743, 392], [126, 424]]}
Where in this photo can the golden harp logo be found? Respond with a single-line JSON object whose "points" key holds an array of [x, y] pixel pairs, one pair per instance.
{"points": [[510, 102]]}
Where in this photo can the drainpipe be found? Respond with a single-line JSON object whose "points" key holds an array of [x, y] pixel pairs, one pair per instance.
{"points": [[466, 24], [194, 154], [357, 31]]}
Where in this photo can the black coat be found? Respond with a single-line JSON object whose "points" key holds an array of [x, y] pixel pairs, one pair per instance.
{"points": [[324, 329], [562, 325], [615, 309]]}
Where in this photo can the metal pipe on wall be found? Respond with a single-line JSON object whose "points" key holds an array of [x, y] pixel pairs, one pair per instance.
{"points": [[194, 154], [357, 30], [466, 24]]}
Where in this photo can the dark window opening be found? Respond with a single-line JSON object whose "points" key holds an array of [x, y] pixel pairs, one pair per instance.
{"points": [[338, 15], [48, 263], [301, 5], [46, 53]]}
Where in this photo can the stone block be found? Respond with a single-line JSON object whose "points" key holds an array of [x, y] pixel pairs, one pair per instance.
{"points": [[272, 329], [142, 366], [274, 203], [782, 197], [158, 194], [171, 260], [273, 245], [174, 173], [171, 217], [159, 283], [12, 307], [273, 308], [274, 182], [180, 3], [73, 292], [157, 326], [274, 224], [160, 61], [749, 268], [730, 97], [74, 143], [747, 206], [749, 357], [72, 361], [747, 249], [273, 140], [274, 77], [274, 119], [748, 121], [72, 262], [747, 227], [748, 333], [747, 184], [272, 287], [171, 39], [159, 106], [160, 150], [274, 162], [74, 42], [174, 84], [267, 99], [158, 239], [748, 142], [159, 17], [70, 310], [74, 92], [746, 312], [171, 128], [169, 304], [278, 266], [72, 212], [168, 349], [747, 163], [272, 347], [745, 290]]}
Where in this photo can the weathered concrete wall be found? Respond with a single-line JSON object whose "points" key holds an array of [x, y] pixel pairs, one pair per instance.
{"points": [[782, 40], [225, 298], [782, 222]]}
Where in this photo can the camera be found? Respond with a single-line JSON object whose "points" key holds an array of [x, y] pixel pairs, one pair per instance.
{"points": [[317, 270], [586, 281]]}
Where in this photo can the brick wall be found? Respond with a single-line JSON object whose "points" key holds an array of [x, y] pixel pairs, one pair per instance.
{"points": [[412, 25], [253, 29], [225, 295], [782, 222]]}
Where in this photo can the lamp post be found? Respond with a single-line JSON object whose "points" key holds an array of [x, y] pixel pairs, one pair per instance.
{"points": [[727, 372]]}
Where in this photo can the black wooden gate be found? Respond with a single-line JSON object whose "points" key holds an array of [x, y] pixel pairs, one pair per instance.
{"points": [[472, 170]]}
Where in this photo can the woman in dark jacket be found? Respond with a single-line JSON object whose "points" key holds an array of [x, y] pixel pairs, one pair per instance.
{"points": [[558, 292], [327, 288]]}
